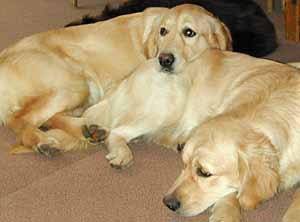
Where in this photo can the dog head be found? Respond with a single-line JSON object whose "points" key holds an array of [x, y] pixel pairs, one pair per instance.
{"points": [[183, 33], [219, 162]]}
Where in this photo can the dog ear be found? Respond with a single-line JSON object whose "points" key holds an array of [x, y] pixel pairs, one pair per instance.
{"points": [[152, 20], [224, 37], [187, 152], [220, 38], [150, 46], [258, 170]]}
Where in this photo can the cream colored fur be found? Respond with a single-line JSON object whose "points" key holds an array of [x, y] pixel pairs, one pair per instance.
{"points": [[65, 71], [239, 115], [241, 125], [145, 104], [239, 122], [52, 77], [149, 106]]}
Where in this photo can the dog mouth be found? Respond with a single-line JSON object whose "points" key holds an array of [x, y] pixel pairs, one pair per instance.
{"points": [[167, 70], [186, 209], [186, 213]]}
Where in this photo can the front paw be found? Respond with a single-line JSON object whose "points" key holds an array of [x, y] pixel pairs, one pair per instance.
{"points": [[180, 147], [48, 150], [94, 133], [120, 157]]}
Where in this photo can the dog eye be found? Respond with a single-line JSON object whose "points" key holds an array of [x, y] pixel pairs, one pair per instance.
{"points": [[189, 32], [163, 31], [202, 173]]}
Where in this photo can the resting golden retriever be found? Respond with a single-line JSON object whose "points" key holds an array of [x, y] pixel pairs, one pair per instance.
{"points": [[146, 104], [53, 76], [252, 100], [241, 125]]}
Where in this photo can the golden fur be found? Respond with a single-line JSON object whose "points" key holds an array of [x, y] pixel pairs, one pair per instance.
{"points": [[241, 127], [54, 76], [142, 104], [237, 114]]}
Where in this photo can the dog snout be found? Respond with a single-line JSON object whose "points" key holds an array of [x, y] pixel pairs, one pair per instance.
{"points": [[171, 202], [166, 60]]}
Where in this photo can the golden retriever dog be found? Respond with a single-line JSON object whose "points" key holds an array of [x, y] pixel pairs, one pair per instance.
{"points": [[241, 125], [52, 77], [146, 104], [126, 115]]}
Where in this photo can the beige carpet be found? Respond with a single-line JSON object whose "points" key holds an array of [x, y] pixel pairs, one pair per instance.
{"points": [[81, 187]]}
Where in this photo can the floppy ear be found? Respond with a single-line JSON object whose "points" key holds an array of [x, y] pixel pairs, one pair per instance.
{"points": [[152, 18], [150, 45], [258, 171], [187, 152], [224, 37], [190, 145], [219, 37]]}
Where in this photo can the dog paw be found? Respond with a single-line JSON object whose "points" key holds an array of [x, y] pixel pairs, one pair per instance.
{"points": [[94, 133], [48, 150], [44, 128], [180, 147], [120, 158]]}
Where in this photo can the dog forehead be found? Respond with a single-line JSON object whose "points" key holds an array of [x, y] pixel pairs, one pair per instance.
{"points": [[214, 150], [191, 11], [188, 8], [197, 18]]}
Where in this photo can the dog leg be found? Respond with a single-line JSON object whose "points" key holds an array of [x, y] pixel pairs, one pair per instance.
{"points": [[77, 128], [120, 155], [69, 124], [293, 213], [226, 210], [35, 112], [64, 142], [33, 139], [98, 116]]}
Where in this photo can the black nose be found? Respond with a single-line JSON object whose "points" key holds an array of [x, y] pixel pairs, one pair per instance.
{"points": [[166, 60], [171, 202]]}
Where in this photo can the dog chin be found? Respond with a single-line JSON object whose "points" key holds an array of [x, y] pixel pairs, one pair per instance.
{"points": [[169, 71], [184, 213], [192, 213]]}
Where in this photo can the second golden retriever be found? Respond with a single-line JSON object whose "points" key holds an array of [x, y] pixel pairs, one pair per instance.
{"points": [[238, 116], [241, 126]]}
